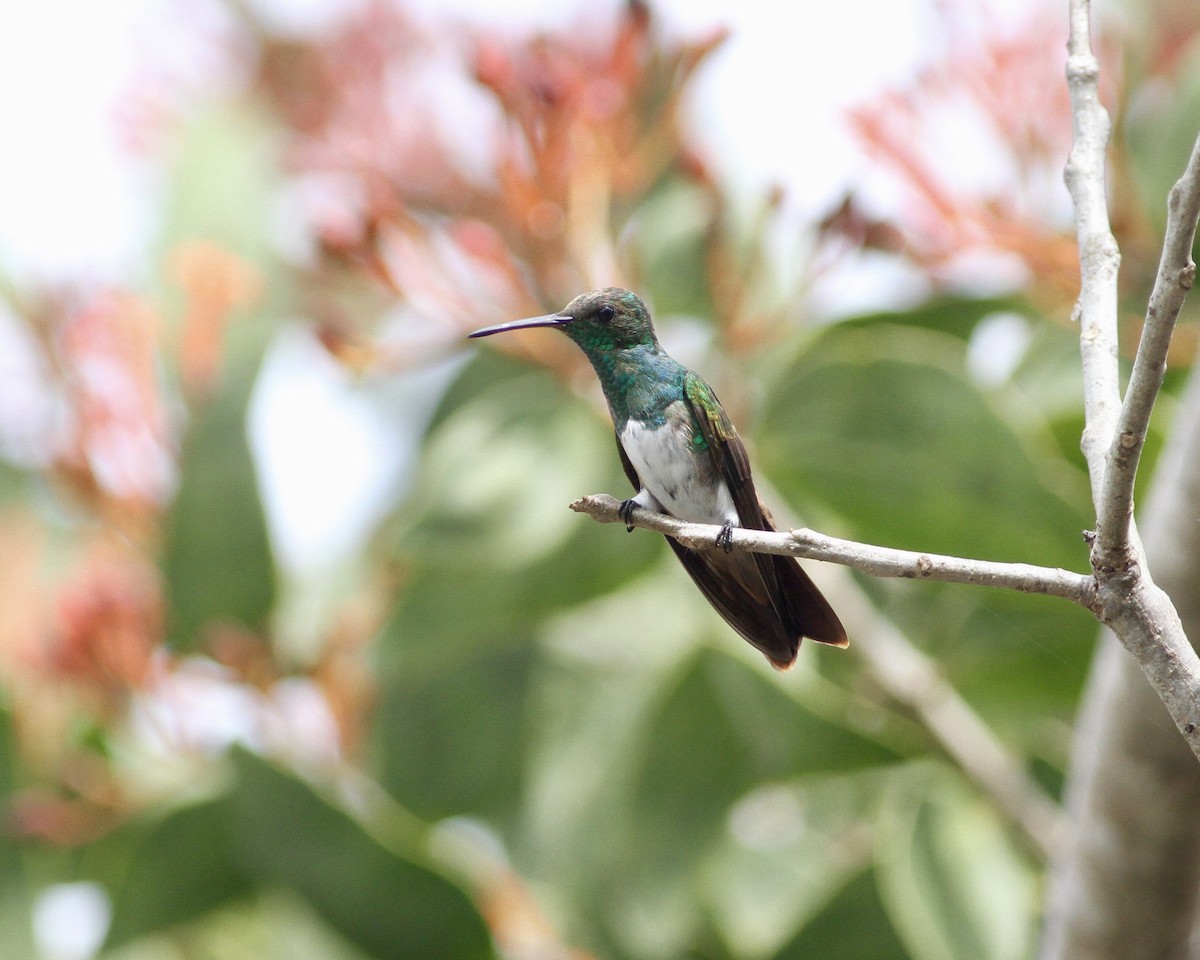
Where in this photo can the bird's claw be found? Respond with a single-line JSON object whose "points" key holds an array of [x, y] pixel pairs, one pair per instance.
{"points": [[725, 537], [626, 513]]}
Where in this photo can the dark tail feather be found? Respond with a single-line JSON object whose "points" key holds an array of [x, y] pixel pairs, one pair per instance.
{"points": [[805, 609], [770, 602]]}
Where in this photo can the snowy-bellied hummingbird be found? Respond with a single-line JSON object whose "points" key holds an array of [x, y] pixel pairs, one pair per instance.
{"points": [[684, 458]]}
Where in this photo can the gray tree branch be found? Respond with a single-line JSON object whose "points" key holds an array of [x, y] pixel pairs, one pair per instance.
{"points": [[1125, 885], [877, 561], [1099, 257], [1139, 613]]}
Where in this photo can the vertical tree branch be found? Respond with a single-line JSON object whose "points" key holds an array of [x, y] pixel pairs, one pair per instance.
{"points": [[1099, 257]]}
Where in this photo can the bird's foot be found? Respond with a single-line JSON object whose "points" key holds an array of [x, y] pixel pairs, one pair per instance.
{"points": [[626, 513], [725, 537]]}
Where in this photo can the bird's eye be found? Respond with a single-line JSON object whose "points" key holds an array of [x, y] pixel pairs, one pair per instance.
{"points": [[606, 313]]}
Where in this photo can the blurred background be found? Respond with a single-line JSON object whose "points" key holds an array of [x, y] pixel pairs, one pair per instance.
{"points": [[302, 653]]}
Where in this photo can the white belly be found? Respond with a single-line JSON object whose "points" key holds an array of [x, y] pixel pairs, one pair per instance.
{"points": [[665, 463]]}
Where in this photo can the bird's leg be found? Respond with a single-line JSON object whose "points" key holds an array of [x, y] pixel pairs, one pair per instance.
{"points": [[725, 537], [626, 512], [644, 499]]}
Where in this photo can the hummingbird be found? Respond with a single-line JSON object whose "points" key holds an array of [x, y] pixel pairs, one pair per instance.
{"points": [[683, 457]]}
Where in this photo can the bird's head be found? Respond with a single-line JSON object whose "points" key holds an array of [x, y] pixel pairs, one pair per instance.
{"points": [[599, 321]]}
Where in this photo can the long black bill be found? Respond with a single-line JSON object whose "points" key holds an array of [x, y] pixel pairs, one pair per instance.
{"points": [[550, 320]]}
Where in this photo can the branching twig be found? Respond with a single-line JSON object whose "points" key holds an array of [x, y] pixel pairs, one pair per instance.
{"points": [[1139, 613], [1122, 888], [878, 561]]}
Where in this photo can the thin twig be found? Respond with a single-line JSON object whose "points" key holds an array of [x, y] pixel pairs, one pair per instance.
{"points": [[878, 561], [1176, 273]]}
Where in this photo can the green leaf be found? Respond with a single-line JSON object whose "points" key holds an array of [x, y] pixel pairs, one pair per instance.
{"points": [[450, 737], [382, 900], [853, 925], [497, 476], [183, 869], [672, 231], [722, 730], [450, 612], [1158, 144], [885, 428], [584, 739], [217, 559], [13, 483], [957, 316], [950, 878], [490, 546], [883, 436], [1021, 660], [485, 370], [788, 850]]}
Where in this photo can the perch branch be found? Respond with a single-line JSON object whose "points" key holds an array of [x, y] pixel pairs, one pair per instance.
{"points": [[904, 672], [878, 561]]}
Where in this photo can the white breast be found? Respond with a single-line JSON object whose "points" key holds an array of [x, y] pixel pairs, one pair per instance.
{"points": [[665, 462]]}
